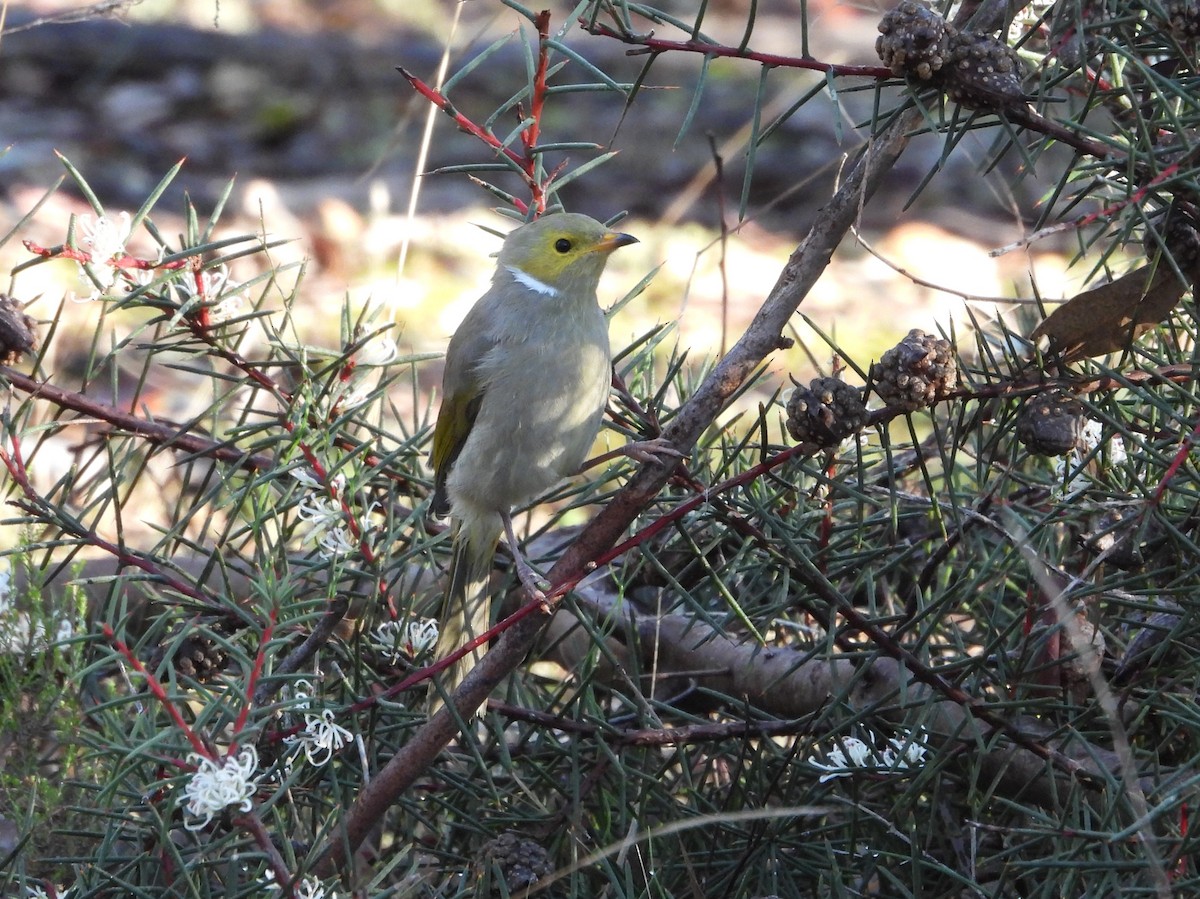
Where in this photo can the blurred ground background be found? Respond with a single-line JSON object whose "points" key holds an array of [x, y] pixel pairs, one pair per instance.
{"points": [[301, 102]]}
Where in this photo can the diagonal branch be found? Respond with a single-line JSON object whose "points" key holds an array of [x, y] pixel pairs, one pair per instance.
{"points": [[794, 684], [763, 337], [160, 432]]}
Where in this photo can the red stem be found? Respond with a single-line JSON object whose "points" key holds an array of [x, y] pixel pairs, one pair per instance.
{"points": [[1180, 457], [531, 134], [648, 44], [16, 469], [255, 672], [159, 693], [527, 164], [439, 100], [78, 255]]}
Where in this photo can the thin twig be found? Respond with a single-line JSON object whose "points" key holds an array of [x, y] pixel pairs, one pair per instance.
{"points": [[763, 337], [649, 44]]}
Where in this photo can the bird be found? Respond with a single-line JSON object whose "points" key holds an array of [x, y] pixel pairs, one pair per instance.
{"points": [[526, 382]]}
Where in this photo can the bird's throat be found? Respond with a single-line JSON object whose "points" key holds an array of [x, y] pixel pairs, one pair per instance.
{"points": [[527, 280]]}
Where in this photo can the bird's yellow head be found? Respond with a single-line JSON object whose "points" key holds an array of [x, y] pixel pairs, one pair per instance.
{"points": [[563, 251]]}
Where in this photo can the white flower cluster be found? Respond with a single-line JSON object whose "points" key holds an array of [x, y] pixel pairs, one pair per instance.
{"points": [[311, 888], [32, 892], [1093, 436], [354, 389], [19, 633], [103, 239], [216, 785], [851, 755], [375, 353], [321, 737], [324, 514], [408, 638], [224, 302], [306, 888]]}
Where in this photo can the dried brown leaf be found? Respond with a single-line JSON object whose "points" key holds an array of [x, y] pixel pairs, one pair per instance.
{"points": [[1110, 317]]}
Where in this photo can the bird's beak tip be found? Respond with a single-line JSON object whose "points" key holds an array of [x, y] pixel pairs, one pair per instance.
{"points": [[614, 240]]}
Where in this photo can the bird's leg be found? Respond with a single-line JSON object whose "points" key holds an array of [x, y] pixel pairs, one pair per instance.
{"points": [[657, 450], [533, 582]]}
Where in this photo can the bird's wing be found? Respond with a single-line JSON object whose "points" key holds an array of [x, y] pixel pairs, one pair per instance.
{"points": [[462, 396], [453, 426]]}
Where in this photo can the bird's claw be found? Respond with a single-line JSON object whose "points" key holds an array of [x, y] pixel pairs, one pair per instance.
{"points": [[535, 585], [658, 450]]}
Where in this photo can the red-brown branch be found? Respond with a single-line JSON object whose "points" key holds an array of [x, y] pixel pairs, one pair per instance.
{"points": [[160, 432], [442, 102], [526, 164], [158, 692], [529, 137], [649, 44]]}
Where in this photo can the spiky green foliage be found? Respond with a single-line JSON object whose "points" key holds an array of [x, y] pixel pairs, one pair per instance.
{"points": [[924, 661]]}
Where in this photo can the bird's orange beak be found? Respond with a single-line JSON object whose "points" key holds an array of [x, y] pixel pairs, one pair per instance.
{"points": [[614, 240]]}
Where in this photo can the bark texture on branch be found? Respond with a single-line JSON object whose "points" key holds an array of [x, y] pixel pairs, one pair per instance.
{"points": [[792, 683], [762, 337]]}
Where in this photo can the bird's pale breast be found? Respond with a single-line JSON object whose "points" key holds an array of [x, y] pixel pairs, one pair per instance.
{"points": [[544, 398]]}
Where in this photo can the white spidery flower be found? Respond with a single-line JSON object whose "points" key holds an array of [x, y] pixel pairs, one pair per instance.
{"points": [[311, 888], [1093, 436], [103, 239], [306, 477], [421, 635], [356, 389], [1090, 438], [320, 739], [303, 692], [307, 888], [321, 736], [905, 752], [217, 784], [324, 514], [377, 351], [851, 755], [319, 511], [386, 640], [350, 395], [405, 638], [336, 542], [223, 304], [60, 892]]}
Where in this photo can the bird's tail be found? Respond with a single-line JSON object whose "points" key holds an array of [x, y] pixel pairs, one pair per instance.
{"points": [[466, 608]]}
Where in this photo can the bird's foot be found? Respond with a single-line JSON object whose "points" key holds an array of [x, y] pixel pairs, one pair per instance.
{"points": [[657, 450], [535, 585]]}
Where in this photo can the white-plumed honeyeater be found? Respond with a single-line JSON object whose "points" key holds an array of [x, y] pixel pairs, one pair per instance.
{"points": [[526, 383]]}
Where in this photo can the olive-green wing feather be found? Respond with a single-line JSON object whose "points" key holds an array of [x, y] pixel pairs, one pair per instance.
{"points": [[453, 426], [462, 396]]}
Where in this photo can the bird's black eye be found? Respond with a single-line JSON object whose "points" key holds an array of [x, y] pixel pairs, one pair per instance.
{"points": [[562, 245]]}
